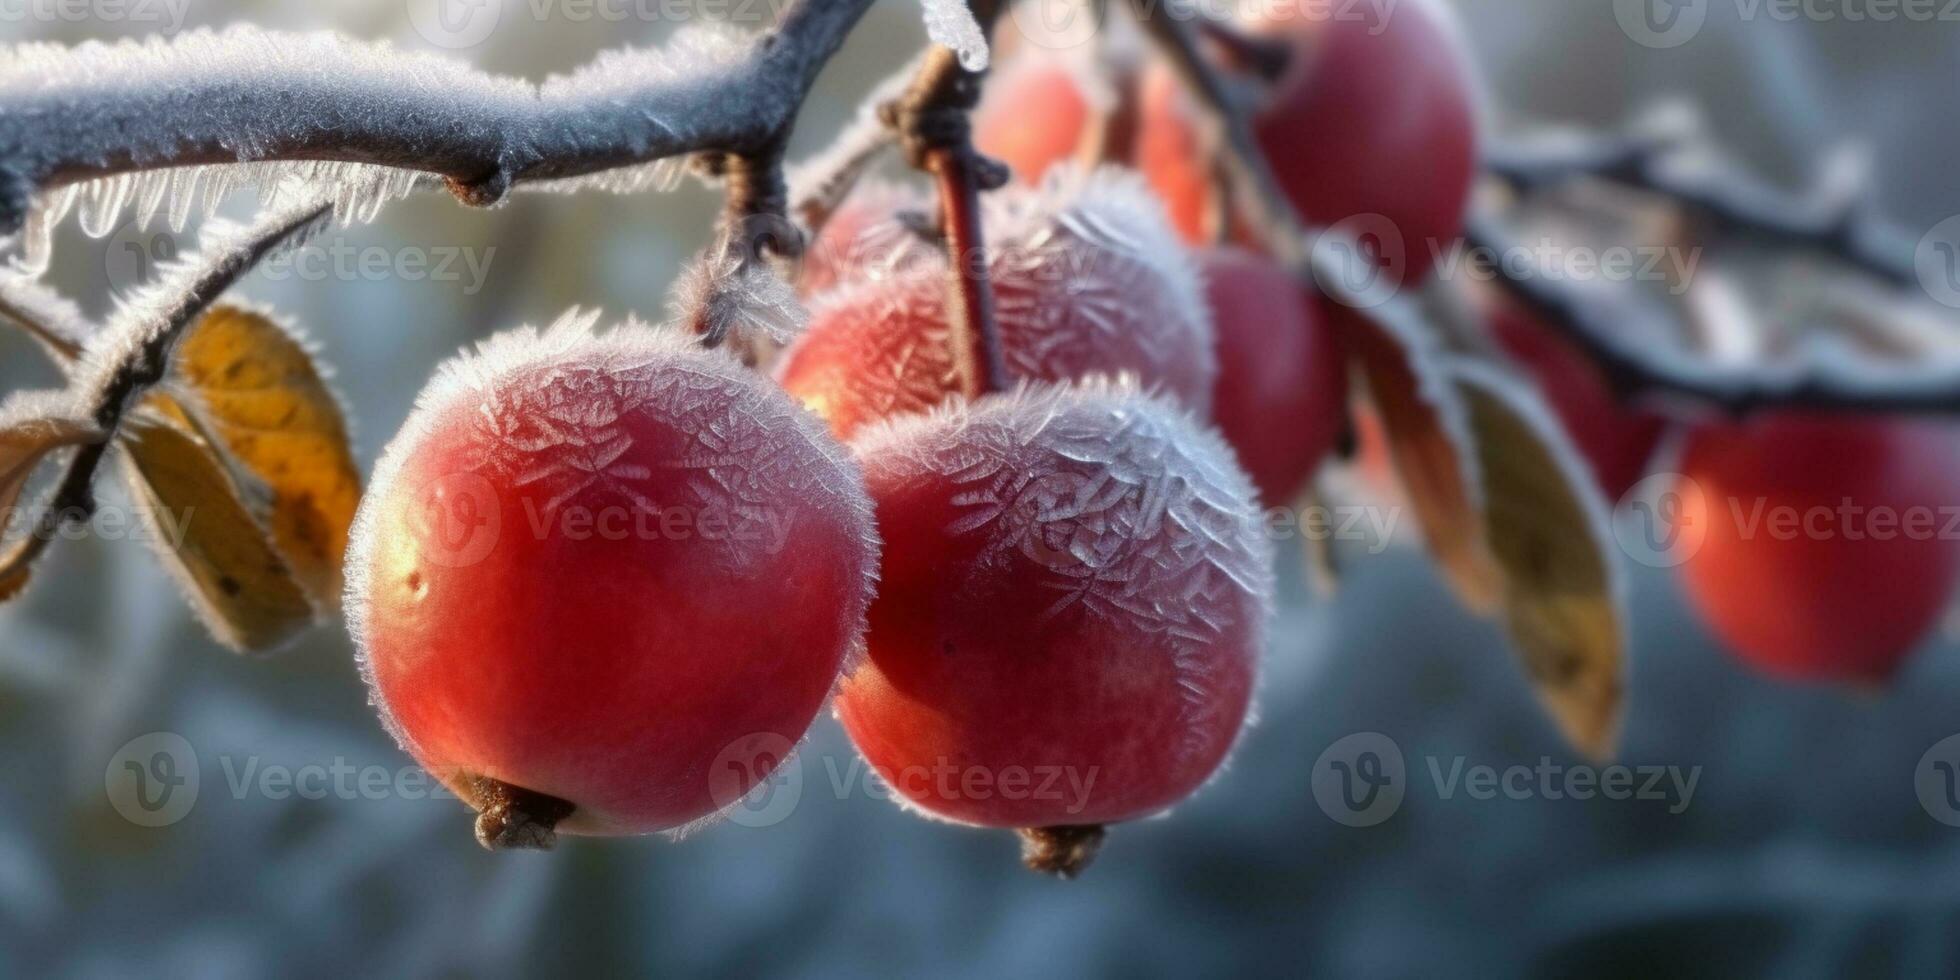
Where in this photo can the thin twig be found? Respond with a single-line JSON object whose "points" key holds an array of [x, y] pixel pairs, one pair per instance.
{"points": [[932, 126], [1603, 333], [1729, 201]]}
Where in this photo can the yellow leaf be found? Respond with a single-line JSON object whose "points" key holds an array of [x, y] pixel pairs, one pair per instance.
{"points": [[1417, 408], [260, 396], [210, 527], [1547, 528], [24, 445]]}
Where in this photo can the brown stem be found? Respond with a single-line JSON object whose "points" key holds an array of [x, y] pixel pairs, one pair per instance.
{"points": [[1064, 851], [931, 122], [975, 330], [511, 817]]}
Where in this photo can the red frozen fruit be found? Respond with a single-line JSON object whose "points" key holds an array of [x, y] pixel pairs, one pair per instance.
{"points": [[875, 234], [1088, 280], [1281, 399], [1617, 439], [1071, 608], [1037, 112], [1817, 546], [606, 581], [1371, 128]]}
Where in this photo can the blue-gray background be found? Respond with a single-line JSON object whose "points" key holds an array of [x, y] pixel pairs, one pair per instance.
{"points": [[1805, 850]]}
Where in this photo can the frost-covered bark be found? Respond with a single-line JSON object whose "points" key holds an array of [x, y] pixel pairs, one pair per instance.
{"points": [[69, 116]]}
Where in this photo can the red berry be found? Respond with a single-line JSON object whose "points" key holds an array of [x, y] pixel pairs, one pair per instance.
{"points": [[1036, 113], [1616, 439], [1823, 547], [616, 570], [1374, 116], [1281, 399], [1074, 586], [868, 238], [1088, 279]]}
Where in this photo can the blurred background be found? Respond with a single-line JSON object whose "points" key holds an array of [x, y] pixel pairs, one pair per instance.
{"points": [[1803, 848]]}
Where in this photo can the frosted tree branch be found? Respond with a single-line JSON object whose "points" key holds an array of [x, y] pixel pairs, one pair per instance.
{"points": [[1632, 367], [1730, 202], [74, 115]]}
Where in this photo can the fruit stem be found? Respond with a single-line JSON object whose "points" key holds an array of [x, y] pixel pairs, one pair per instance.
{"points": [[1063, 851], [512, 817], [976, 333]]}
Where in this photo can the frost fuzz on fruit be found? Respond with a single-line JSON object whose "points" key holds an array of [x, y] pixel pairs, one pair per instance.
{"points": [[1137, 517], [514, 389], [1089, 278]]}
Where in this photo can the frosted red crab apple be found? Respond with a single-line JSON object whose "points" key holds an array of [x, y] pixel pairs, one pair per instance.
{"points": [[1371, 128], [1088, 279], [1074, 582], [1818, 546], [540, 634]]}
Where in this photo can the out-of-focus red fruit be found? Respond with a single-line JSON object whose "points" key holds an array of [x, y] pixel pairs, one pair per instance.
{"points": [[869, 237], [1617, 440], [1036, 113], [614, 570], [1088, 279], [1371, 128], [1281, 399], [1071, 608], [1823, 547]]}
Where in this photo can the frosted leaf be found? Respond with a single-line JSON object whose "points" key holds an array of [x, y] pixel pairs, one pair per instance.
{"points": [[228, 251], [721, 296], [950, 23], [1127, 509], [545, 411]]}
